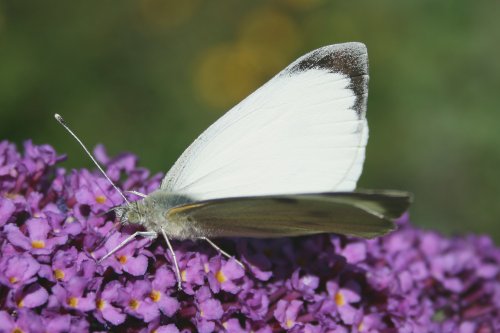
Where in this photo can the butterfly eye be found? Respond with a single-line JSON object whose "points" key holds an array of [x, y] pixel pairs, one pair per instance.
{"points": [[120, 213]]}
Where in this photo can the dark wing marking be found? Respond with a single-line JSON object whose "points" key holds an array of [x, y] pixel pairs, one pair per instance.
{"points": [[350, 59]]}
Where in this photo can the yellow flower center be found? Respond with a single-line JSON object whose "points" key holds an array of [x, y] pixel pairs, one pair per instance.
{"points": [[73, 302], [134, 304], [17, 330], [13, 279], [122, 259], [220, 277], [100, 304], [10, 195], [339, 299], [289, 323], [155, 295], [183, 275], [59, 274], [38, 244], [20, 303], [100, 199]]}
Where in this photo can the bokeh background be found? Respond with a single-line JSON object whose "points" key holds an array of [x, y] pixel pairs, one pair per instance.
{"points": [[148, 76]]}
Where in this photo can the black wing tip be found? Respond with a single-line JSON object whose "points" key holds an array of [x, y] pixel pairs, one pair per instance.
{"points": [[350, 59]]}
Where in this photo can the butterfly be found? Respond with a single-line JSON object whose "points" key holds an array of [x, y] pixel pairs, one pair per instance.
{"points": [[283, 162]]}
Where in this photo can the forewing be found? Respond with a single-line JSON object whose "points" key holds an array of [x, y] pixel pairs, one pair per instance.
{"points": [[363, 214], [304, 131]]}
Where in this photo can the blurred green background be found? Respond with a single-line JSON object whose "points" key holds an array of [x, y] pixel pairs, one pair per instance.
{"points": [[148, 76]]}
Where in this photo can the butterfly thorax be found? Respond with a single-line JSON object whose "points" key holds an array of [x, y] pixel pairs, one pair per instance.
{"points": [[151, 212]]}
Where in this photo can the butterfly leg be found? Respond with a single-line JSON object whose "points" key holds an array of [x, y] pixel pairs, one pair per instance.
{"points": [[149, 234], [174, 257], [224, 253]]}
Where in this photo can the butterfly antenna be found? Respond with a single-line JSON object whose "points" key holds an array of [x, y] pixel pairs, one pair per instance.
{"points": [[63, 123]]}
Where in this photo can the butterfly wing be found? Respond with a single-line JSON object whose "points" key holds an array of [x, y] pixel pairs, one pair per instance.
{"points": [[304, 131], [364, 214]]}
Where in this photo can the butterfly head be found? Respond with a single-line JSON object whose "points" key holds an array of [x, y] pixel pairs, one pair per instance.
{"points": [[133, 213], [151, 211]]}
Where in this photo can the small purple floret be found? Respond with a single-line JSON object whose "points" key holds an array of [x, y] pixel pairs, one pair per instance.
{"points": [[54, 226]]}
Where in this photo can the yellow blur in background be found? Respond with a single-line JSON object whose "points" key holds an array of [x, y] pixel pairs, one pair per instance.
{"points": [[148, 76]]}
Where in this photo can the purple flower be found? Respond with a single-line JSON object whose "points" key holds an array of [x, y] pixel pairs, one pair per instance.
{"points": [[37, 239], [54, 225], [74, 295], [107, 304], [38, 158], [63, 264], [24, 320], [8, 154], [255, 303], [370, 323], [305, 284], [224, 275], [126, 259], [193, 271], [57, 323], [7, 208], [137, 302], [138, 178], [286, 313], [354, 252], [29, 297], [18, 269], [211, 309], [98, 194], [232, 325], [344, 297], [161, 285], [170, 328], [125, 162]]}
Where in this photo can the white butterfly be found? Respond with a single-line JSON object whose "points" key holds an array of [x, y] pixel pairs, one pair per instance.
{"points": [[283, 162]]}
